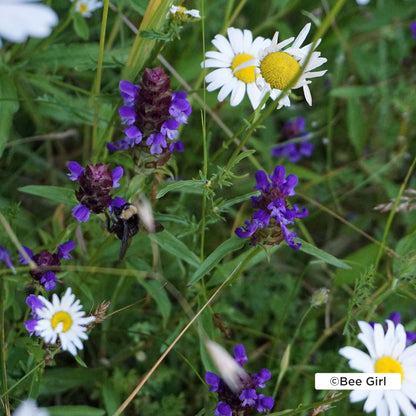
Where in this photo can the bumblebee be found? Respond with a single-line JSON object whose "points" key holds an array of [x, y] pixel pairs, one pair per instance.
{"points": [[125, 224]]}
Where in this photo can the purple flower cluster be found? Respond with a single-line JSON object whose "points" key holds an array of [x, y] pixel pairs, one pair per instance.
{"points": [[396, 318], [96, 183], [5, 258], [268, 225], [153, 114], [413, 29], [240, 403], [293, 150], [45, 261], [34, 303]]}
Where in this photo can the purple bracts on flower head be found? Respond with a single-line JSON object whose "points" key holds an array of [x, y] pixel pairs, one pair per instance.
{"points": [[268, 225], [413, 29], [291, 148], [153, 113], [47, 261], [241, 402], [96, 183], [5, 257]]}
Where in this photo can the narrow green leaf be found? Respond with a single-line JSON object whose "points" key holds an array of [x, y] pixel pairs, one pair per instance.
{"points": [[188, 187], [54, 193], [322, 255], [80, 361], [167, 241], [9, 104], [158, 293], [228, 246], [75, 411], [353, 91], [81, 26], [357, 125]]}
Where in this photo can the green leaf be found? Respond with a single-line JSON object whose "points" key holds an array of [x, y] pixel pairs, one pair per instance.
{"points": [[228, 246], [188, 187], [360, 261], [158, 293], [405, 265], [80, 361], [54, 193], [322, 255], [357, 125], [81, 26], [353, 91], [9, 104], [75, 411], [167, 241]]}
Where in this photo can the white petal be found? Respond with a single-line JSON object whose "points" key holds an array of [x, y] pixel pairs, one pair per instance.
{"points": [[307, 94], [409, 389], [405, 406], [18, 21], [238, 93], [373, 398], [236, 39], [382, 409], [254, 95], [226, 89], [358, 395], [302, 36], [358, 360], [392, 404], [222, 44], [215, 63], [379, 340], [367, 337], [218, 78], [247, 40], [400, 341]]}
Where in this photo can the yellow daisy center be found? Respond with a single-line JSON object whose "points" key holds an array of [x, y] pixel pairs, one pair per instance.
{"points": [[388, 365], [278, 69], [62, 317], [246, 74], [83, 8]]}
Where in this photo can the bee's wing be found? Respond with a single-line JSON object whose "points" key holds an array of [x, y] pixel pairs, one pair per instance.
{"points": [[125, 241]]}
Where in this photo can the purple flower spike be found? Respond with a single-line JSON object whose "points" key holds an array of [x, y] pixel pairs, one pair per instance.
{"points": [[413, 29], [291, 146], [34, 303], [264, 403], [153, 113], [395, 317], [76, 171], [81, 213], [65, 249], [48, 280], [268, 225], [5, 257], [240, 354], [246, 398], [117, 173], [223, 409], [29, 252], [31, 325]]}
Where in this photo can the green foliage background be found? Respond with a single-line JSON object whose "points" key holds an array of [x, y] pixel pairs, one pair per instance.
{"points": [[59, 102]]}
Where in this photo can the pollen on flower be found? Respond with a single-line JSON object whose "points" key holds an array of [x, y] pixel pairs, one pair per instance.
{"points": [[61, 318], [278, 69], [388, 365], [83, 8], [246, 75]]}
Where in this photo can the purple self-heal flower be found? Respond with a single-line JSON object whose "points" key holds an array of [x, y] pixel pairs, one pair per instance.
{"points": [[245, 398], [268, 225], [29, 253], [413, 29], [5, 257], [31, 325], [153, 113], [294, 143], [34, 303], [48, 264], [96, 182]]}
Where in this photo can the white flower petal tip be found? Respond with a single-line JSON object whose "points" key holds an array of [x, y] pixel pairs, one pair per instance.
{"points": [[30, 408], [20, 19]]}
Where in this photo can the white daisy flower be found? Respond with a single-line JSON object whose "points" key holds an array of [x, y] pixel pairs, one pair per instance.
{"points": [[30, 408], [276, 66], [64, 319], [181, 11], [387, 353], [86, 7], [20, 19], [240, 48]]}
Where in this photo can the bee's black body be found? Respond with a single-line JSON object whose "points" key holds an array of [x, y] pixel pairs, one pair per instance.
{"points": [[125, 224]]}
